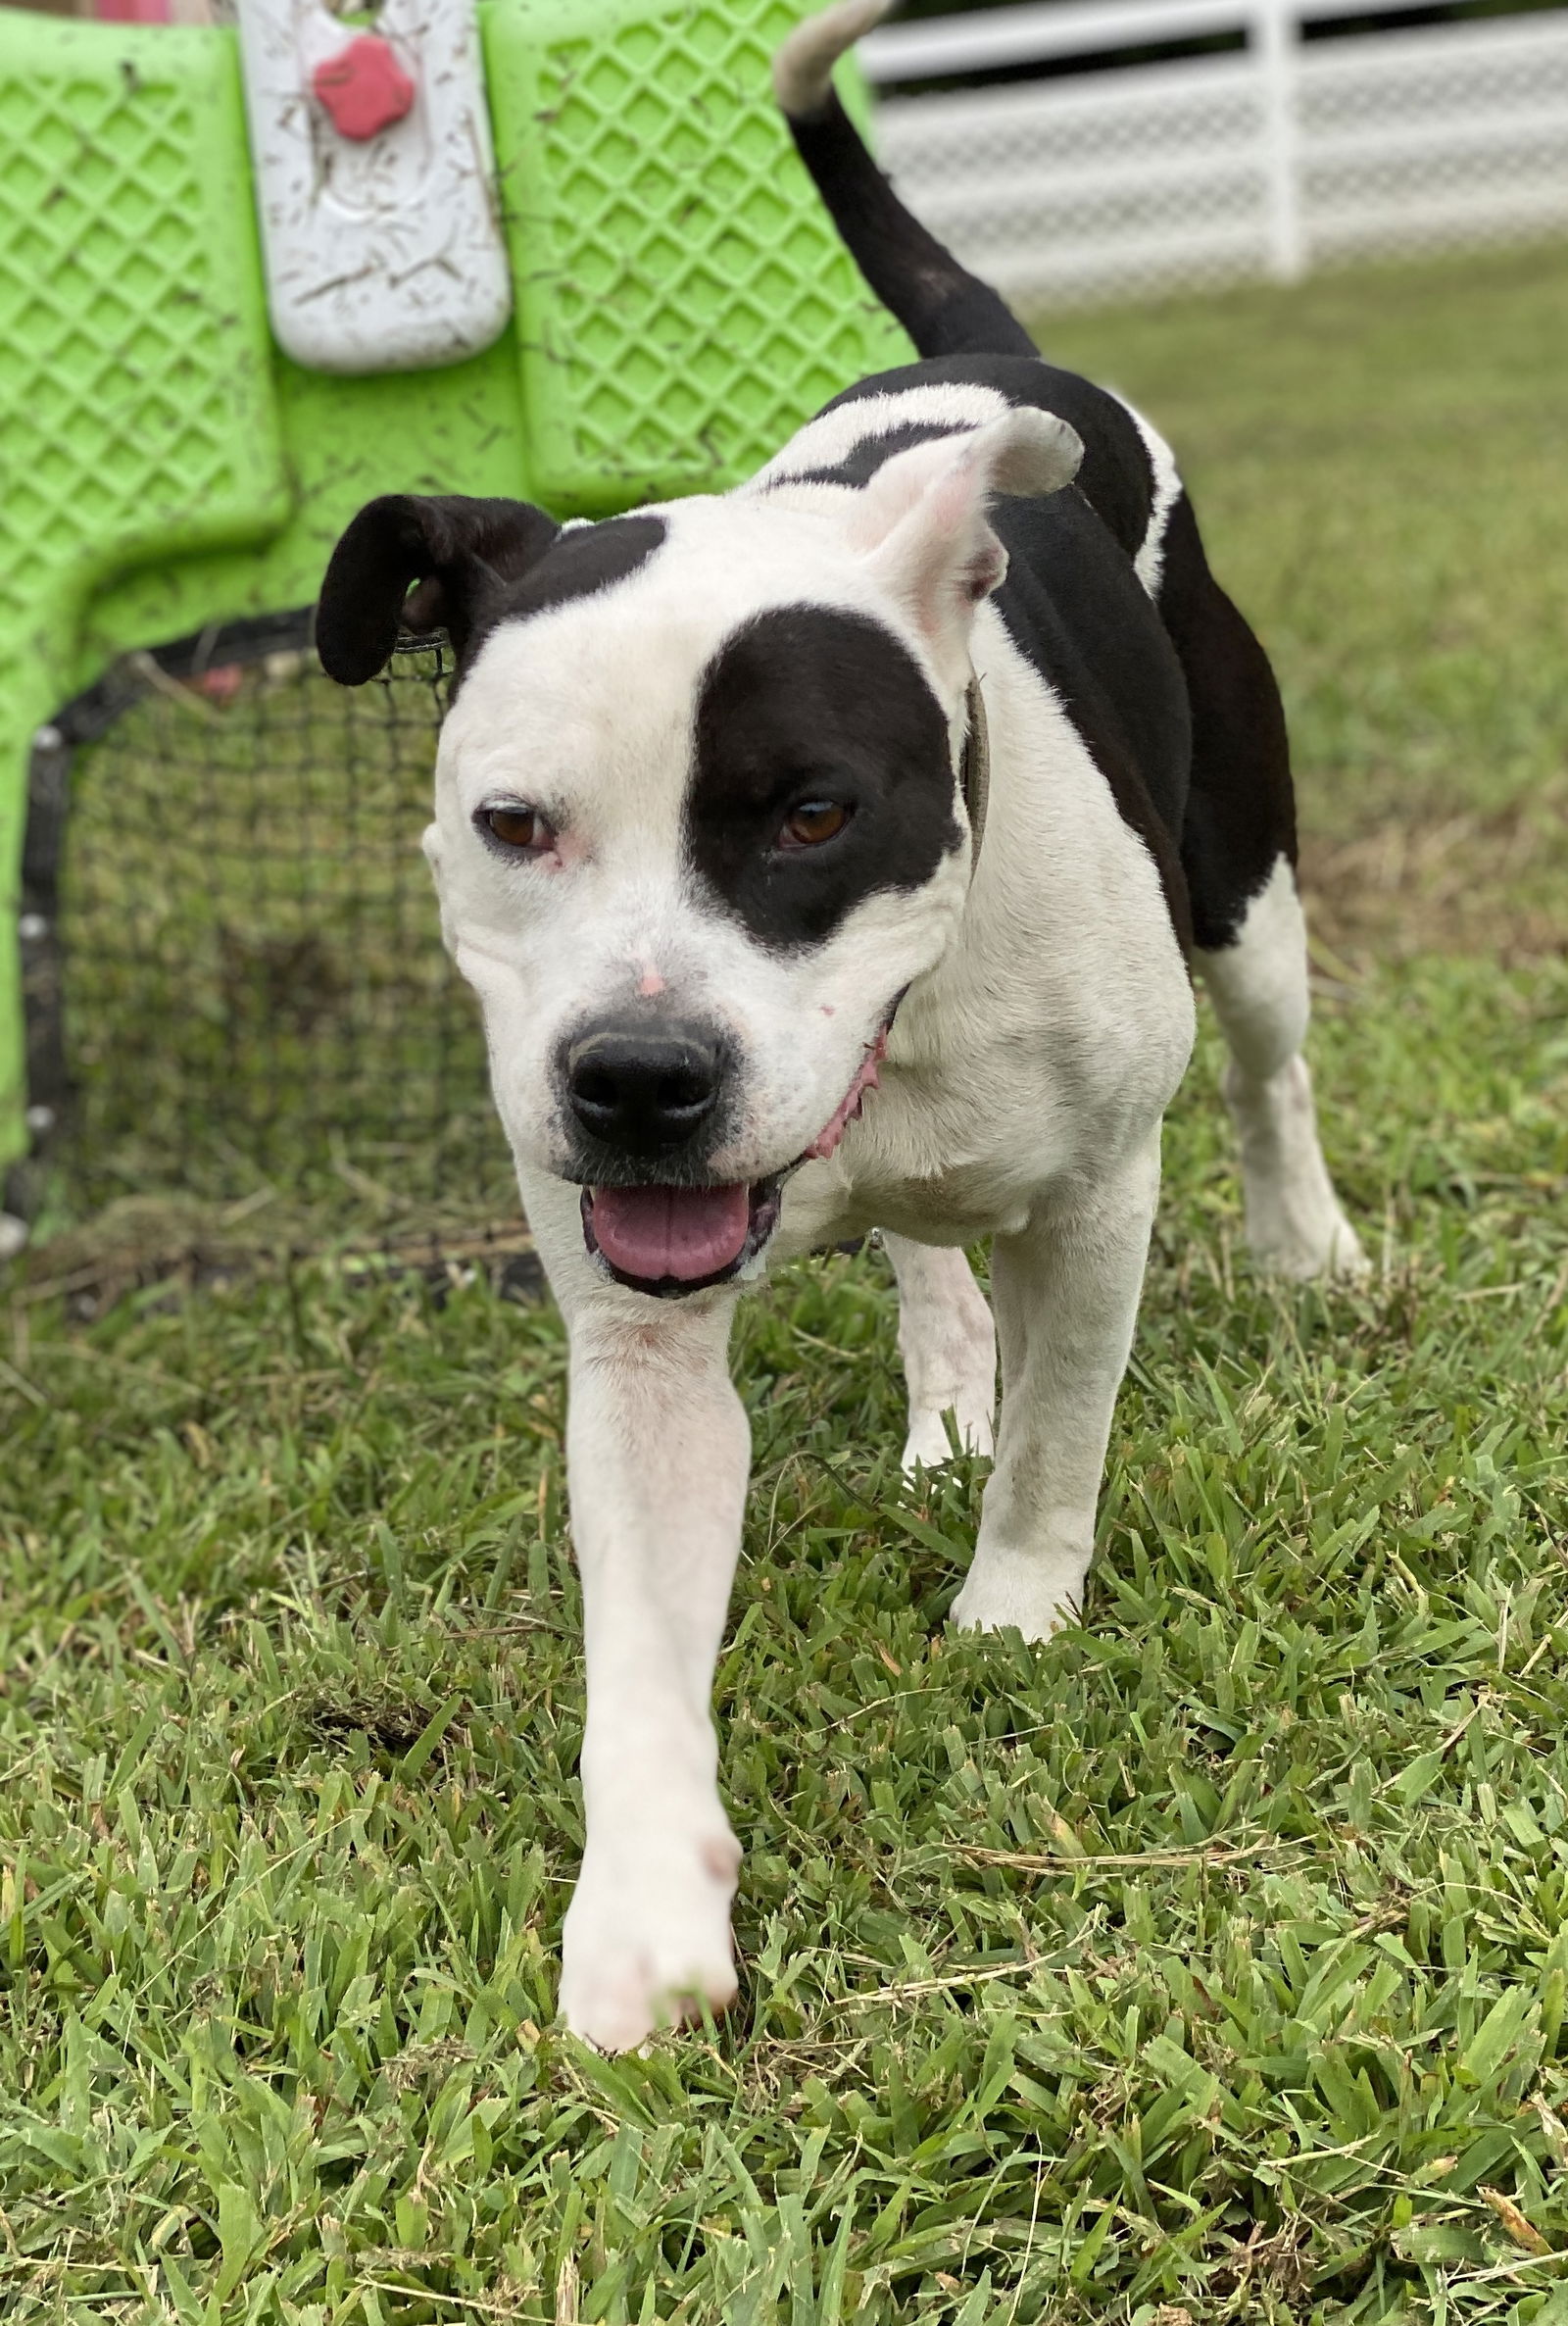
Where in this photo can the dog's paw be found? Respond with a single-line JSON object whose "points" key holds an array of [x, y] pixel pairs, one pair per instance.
{"points": [[1032, 1592], [647, 1941], [928, 1445], [1328, 1247]]}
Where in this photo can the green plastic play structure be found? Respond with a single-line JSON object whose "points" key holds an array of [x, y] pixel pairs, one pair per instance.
{"points": [[680, 304]]}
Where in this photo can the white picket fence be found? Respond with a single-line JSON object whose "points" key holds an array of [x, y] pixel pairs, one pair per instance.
{"points": [[1266, 160]]}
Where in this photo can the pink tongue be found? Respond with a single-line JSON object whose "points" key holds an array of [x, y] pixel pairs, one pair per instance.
{"points": [[684, 1232]]}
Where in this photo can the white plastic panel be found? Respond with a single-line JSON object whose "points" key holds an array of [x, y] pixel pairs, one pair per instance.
{"points": [[381, 242]]}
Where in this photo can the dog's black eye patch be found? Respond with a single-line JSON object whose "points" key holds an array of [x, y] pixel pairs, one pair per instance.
{"points": [[807, 704]]}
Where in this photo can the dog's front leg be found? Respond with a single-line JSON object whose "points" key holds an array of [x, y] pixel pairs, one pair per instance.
{"points": [[1065, 1294], [658, 1453]]}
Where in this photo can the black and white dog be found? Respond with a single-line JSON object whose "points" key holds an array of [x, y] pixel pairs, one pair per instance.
{"points": [[708, 845]]}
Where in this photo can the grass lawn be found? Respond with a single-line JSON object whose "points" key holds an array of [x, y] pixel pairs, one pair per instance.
{"points": [[1208, 1964]]}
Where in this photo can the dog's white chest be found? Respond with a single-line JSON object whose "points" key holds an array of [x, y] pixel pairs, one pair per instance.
{"points": [[984, 1107], [1053, 1034]]}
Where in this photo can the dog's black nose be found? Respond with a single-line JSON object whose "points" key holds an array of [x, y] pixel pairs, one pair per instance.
{"points": [[643, 1090]]}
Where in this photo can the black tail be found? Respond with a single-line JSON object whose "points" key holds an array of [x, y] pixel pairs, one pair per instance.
{"points": [[946, 310]]}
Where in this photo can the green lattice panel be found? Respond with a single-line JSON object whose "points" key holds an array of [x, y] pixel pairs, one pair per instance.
{"points": [[682, 304], [133, 355], [683, 301]]}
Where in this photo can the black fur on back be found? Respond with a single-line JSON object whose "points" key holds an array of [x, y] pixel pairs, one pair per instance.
{"points": [[1205, 780]]}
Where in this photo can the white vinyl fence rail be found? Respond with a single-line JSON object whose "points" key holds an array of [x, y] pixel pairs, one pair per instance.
{"points": [[1265, 160]]}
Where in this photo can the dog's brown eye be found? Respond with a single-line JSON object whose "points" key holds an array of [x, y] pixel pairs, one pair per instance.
{"points": [[812, 823], [518, 827]]}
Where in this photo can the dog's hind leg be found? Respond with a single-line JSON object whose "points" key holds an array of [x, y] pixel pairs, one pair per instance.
{"points": [[1257, 984], [1239, 855], [1066, 1292], [948, 1346]]}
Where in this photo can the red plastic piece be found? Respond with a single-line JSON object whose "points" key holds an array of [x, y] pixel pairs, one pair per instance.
{"points": [[364, 88]]}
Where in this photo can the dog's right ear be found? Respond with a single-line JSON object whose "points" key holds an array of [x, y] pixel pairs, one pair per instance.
{"points": [[461, 553]]}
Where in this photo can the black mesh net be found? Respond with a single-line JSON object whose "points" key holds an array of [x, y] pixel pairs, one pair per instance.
{"points": [[255, 996]]}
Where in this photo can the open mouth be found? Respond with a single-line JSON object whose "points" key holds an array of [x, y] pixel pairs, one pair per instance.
{"points": [[672, 1240]]}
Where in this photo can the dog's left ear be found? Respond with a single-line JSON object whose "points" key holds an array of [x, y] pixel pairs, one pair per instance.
{"points": [[922, 528], [461, 553]]}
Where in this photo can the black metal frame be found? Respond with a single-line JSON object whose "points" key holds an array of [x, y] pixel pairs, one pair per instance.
{"points": [[65, 1133], [84, 719]]}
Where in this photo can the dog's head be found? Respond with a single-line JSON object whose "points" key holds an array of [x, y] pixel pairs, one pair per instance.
{"points": [[697, 823]]}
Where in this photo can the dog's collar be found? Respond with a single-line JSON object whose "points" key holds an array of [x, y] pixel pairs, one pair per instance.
{"points": [[974, 769]]}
